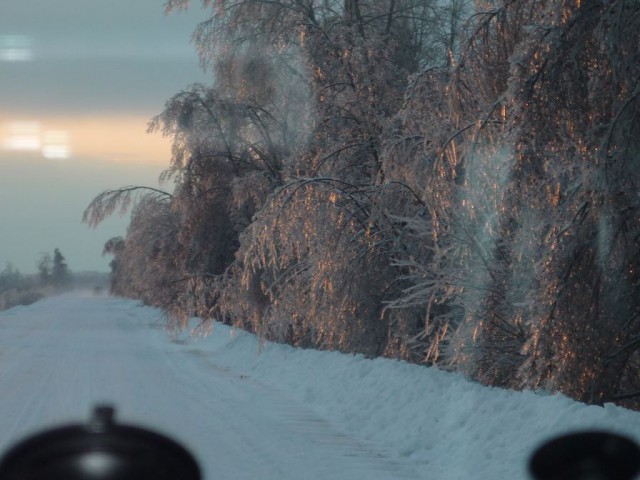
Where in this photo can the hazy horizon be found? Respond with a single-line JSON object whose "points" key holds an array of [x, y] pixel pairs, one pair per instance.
{"points": [[47, 205]]}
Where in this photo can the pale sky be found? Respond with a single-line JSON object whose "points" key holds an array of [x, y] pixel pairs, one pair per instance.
{"points": [[79, 80]]}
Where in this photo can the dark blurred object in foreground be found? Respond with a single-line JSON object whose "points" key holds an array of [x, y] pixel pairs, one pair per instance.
{"points": [[99, 450], [586, 456]]}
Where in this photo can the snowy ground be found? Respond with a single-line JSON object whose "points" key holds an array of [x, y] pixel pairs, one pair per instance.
{"points": [[251, 411]]}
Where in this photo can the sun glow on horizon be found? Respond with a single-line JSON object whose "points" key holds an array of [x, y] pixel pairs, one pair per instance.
{"points": [[116, 138]]}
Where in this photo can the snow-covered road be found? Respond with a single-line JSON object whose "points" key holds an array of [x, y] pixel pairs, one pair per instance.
{"points": [[252, 411], [60, 356]]}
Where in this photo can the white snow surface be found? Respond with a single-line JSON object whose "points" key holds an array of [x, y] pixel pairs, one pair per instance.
{"points": [[254, 410]]}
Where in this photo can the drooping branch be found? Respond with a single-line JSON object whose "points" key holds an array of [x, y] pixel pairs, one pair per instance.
{"points": [[121, 199]]}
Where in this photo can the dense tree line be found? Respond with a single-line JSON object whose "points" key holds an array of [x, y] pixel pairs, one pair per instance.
{"points": [[444, 182]]}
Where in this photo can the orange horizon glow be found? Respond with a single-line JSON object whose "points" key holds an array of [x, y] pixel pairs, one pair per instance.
{"points": [[108, 137]]}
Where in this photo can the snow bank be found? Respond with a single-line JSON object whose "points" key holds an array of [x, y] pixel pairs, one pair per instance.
{"points": [[454, 428]]}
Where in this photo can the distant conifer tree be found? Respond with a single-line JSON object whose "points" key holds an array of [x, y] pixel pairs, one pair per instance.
{"points": [[60, 275]]}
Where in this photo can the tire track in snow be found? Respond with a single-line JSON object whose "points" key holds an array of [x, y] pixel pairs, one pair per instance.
{"points": [[321, 448]]}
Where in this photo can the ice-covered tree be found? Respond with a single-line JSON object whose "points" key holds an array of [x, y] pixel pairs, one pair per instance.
{"points": [[291, 128], [531, 222], [313, 265]]}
